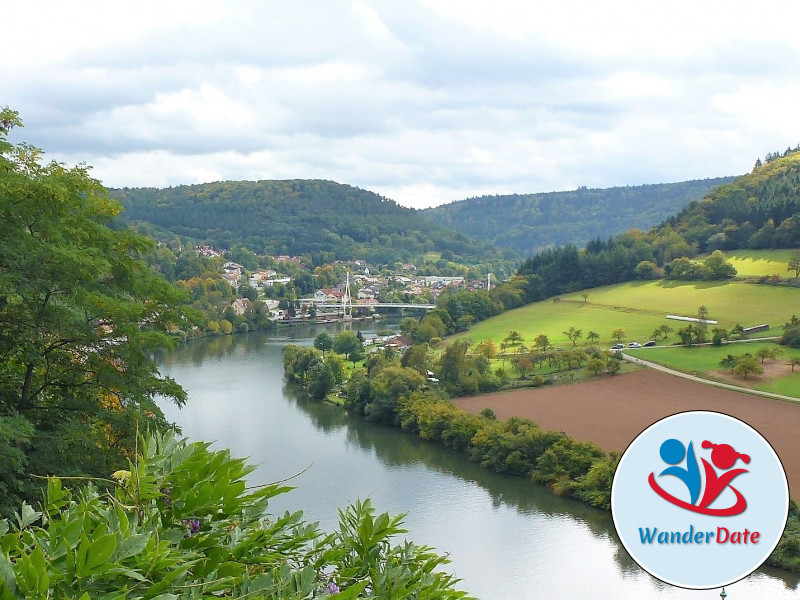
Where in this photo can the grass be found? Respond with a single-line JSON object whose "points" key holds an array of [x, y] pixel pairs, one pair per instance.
{"points": [[640, 307], [704, 361], [756, 263]]}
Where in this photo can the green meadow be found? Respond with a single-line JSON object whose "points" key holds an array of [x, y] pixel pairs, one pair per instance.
{"points": [[640, 307], [759, 263]]}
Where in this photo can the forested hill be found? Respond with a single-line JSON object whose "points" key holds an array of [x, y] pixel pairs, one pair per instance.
{"points": [[757, 210], [528, 223], [324, 219]]}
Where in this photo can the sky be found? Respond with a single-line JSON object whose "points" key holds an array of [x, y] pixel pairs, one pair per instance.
{"points": [[422, 101]]}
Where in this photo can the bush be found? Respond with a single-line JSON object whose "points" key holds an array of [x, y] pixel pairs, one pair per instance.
{"points": [[180, 523]]}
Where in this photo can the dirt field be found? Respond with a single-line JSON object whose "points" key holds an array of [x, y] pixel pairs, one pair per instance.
{"points": [[612, 411]]}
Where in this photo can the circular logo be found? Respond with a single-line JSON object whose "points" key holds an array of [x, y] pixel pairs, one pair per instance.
{"points": [[700, 499]]}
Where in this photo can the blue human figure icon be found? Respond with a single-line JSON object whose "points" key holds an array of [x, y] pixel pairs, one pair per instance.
{"points": [[672, 453]]}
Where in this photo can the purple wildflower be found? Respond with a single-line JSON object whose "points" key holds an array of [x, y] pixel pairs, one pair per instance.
{"points": [[167, 495], [332, 588], [193, 524]]}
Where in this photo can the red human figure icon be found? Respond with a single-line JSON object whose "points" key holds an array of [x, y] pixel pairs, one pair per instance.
{"points": [[724, 457]]}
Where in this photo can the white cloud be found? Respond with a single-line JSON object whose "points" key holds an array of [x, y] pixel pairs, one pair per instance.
{"points": [[424, 101]]}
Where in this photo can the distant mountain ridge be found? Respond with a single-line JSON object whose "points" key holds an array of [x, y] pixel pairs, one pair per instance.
{"points": [[528, 223], [324, 219]]}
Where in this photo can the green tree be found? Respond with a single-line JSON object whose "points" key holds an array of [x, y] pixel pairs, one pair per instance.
{"points": [[618, 334], [793, 362], [592, 336], [719, 335], [542, 342], [794, 263], [513, 337], [767, 352], [80, 311], [596, 365], [323, 342], [689, 335], [747, 365], [573, 334], [716, 267], [347, 343]]}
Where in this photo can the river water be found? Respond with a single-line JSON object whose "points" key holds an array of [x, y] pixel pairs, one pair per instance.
{"points": [[507, 538]]}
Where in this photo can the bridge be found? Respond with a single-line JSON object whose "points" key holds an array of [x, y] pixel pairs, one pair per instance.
{"points": [[373, 305], [347, 304]]}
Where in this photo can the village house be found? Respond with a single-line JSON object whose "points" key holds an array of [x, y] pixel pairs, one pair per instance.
{"points": [[207, 251], [240, 305], [271, 282]]}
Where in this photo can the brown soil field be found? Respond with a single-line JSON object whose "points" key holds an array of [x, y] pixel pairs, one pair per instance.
{"points": [[612, 411]]}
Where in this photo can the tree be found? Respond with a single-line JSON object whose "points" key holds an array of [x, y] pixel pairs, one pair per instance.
{"points": [[717, 267], [80, 312], [729, 362], [794, 263], [666, 330], [592, 336], [542, 342], [689, 335], [719, 335], [487, 348], [416, 357], [596, 365], [513, 337], [347, 343], [793, 362], [618, 334], [323, 342], [524, 363], [747, 365], [573, 334], [766, 352]]}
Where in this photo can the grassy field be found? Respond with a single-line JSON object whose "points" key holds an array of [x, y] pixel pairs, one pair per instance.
{"points": [[756, 263], [704, 362], [640, 307]]}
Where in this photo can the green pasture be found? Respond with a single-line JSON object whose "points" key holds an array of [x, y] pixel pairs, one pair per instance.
{"points": [[704, 361], [757, 263], [640, 307]]}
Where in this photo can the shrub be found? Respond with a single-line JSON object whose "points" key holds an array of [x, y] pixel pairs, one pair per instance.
{"points": [[180, 523]]}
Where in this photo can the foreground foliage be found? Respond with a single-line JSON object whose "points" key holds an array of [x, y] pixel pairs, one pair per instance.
{"points": [[180, 523], [80, 312]]}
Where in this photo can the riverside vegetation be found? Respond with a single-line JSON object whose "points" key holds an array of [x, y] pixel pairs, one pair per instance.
{"points": [[81, 312], [396, 390]]}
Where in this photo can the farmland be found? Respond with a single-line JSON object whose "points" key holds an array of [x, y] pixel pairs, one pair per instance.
{"points": [[640, 307]]}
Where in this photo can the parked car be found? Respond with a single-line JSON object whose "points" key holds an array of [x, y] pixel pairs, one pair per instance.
{"points": [[634, 345], [649, 343], [617, 346]]}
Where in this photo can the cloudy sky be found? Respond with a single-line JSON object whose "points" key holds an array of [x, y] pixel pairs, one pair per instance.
{"points": [[423, 101]]}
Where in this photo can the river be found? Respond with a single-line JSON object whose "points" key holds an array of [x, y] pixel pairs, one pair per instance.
{"points": [[507, 537]]}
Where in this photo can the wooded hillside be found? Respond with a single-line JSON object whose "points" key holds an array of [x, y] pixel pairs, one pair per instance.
{"points": [[322, 218], [529, 223]]}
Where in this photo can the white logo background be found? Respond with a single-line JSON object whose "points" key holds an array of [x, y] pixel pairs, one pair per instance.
{"points": [[635, 505]]}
